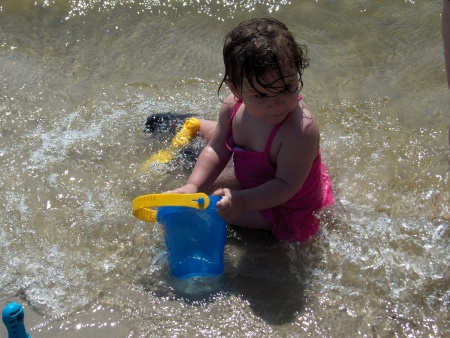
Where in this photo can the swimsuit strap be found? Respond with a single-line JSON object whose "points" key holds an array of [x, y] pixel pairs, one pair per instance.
{"points": [[235, 109], [270, 140], [272, 136], [272, 133]]}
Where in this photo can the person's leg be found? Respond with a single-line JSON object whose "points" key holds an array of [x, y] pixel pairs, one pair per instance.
{"points": [[206, 129], [253, 220]]}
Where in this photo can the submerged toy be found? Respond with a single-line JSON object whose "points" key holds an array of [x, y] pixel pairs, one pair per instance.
{"points": [[165, 122], [12, 316], [184, 135], [195, 234]]}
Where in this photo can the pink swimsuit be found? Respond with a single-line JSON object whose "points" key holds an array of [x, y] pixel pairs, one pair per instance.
{"points": [[293, 220]]}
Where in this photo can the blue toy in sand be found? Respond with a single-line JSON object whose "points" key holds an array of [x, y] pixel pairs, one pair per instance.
{"points": [[12, 317]]}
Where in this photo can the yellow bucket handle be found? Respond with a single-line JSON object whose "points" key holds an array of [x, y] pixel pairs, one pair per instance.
{"points": [[141, 204]]}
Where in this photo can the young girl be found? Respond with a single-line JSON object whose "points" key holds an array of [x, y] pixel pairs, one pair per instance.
{"points": [[280, 181]]}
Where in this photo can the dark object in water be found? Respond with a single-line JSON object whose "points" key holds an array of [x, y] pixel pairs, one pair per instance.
{"points": [[165, 122], [189, 157], [170, 123]]}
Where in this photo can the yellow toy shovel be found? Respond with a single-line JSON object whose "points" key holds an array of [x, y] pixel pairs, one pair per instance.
{"points": [[184, 135]]}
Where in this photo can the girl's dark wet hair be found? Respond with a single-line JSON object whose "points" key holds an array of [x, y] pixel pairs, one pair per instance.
{"points": [[259, 45]]}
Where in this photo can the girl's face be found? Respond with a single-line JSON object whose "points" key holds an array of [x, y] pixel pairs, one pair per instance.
{"points": [[271, 105]]}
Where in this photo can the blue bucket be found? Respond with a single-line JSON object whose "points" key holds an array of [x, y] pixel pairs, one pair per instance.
{"points": [[195, 239]]}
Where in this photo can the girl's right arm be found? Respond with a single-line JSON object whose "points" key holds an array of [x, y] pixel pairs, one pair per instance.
{"points": [[214, 157]]}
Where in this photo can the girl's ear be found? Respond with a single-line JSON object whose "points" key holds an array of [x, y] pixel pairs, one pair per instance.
{"points": [[233, 89]]}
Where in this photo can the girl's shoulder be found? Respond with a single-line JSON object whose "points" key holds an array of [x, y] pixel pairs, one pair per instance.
{"points": [[301, 121], [226, 108], [306, 112], [300, 129], [225, 111]]}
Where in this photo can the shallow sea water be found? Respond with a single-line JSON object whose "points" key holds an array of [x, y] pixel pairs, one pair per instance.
{"points": [[78, 80]]}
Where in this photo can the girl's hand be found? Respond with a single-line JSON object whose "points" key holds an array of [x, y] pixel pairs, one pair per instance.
{"points": [[185, 189], [231, 205]]}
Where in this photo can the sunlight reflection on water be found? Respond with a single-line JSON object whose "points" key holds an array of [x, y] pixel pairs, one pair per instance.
{"points": [[75, 97]]}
